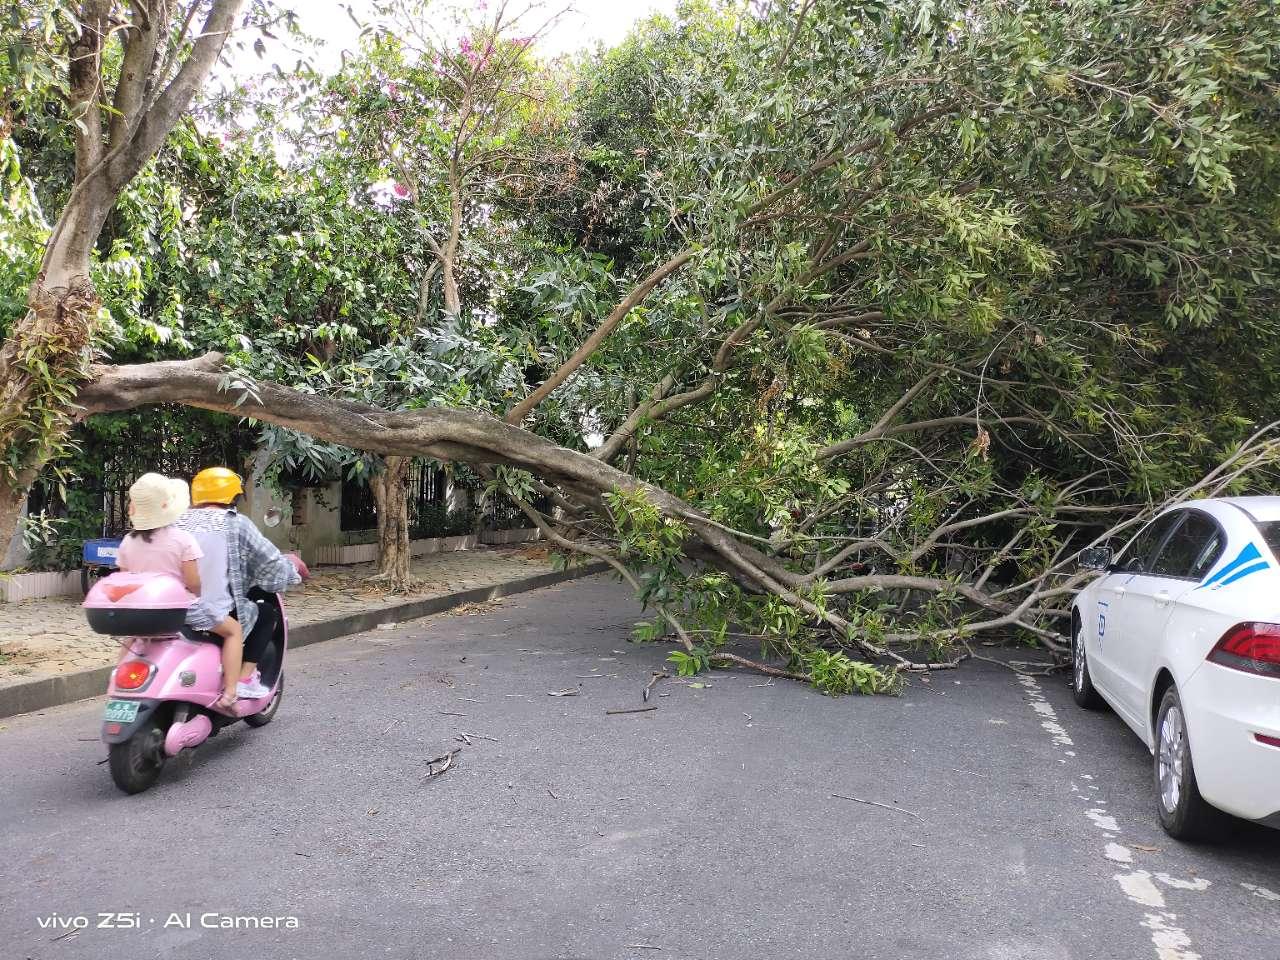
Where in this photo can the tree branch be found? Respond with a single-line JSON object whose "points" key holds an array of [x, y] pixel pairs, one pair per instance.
{"points": [[589, 346]]}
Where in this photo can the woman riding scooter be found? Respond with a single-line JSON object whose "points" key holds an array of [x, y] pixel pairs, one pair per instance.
{"points": [[237, 558]]}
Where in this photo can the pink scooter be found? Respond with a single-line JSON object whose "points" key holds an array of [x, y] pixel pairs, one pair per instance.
{"points": [[163, 690]]}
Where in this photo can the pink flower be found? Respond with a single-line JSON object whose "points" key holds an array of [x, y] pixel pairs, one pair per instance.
{"points": [[401, 190]]}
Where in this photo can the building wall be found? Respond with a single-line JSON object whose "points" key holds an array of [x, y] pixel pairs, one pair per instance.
{"points": [[309, 517]]}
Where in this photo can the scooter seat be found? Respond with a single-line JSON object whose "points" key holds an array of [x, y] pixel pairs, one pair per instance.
{"points": [[201, 636]]}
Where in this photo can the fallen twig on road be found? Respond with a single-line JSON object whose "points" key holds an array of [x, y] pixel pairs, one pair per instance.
{"points": [[481, 736], [882, 806], [633, 710], [657, 675], [450, 713], [571, 692], [1016, 667], [446, 761]]}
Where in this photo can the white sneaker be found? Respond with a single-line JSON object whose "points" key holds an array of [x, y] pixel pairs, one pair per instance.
{"points": [[252, 689]]}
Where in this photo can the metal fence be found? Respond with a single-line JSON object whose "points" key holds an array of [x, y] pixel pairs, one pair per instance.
{"points": [[427, 486], [429, 515], [177, 444], [503, 513]]}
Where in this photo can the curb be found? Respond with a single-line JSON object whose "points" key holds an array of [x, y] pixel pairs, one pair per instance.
{"points": [[85, 684]]}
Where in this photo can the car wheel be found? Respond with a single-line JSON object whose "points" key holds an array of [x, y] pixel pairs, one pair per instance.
{"points": [[1081, 684], [1184, 814]]}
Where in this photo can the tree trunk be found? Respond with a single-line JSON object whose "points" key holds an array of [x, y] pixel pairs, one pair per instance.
{"points": [[452, 302], [391, 494], [44, 359]]}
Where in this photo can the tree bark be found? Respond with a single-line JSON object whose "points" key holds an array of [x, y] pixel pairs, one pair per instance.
{"points": [[391, 495]]}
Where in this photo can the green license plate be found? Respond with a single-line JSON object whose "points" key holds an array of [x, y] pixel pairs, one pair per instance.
{"points": [[121, 711]]}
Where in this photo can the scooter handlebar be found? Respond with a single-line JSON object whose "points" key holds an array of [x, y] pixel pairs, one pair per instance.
{"points": [[303, 571]]}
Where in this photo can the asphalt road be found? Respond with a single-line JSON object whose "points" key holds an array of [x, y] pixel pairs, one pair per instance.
{"points": [[706, 828]]}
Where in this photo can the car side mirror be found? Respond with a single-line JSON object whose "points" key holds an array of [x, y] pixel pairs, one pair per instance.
{"points": [[1095, 558]]}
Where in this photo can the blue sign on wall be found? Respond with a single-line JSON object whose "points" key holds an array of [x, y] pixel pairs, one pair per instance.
{"points": [[101, 553]]}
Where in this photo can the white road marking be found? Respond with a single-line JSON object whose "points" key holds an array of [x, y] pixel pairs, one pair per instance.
{"points": [[1262, 892], [1119, 853], [1172, 943], [1180, 884], [1139, 888], [1102, 820], [1048, 718]]}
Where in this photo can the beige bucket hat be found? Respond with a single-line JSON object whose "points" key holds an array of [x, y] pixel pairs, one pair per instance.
{"points": [[156, 501]]}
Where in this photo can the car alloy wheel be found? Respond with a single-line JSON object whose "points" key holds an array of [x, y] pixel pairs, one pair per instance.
{"points": [[1172, 757]]}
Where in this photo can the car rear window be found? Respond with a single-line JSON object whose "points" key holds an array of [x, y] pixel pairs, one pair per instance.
{"points": [[1271, 533]]}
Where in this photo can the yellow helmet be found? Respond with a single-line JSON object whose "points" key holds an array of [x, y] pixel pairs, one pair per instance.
{"points": [[216, 485]]}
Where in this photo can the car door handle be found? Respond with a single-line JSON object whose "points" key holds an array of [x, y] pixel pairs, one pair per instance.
{"points": [[1162, 598], [1119, 591]]}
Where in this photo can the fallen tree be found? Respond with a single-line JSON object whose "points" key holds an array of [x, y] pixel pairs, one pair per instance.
{"points": [[918, 312]]}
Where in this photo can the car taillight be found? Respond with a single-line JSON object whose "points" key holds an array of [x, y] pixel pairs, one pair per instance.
{"points": [[1251, 647], [132, 674]]}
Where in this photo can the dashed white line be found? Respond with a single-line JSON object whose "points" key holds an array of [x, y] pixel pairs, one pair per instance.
{"points": [[1262, 892], [1170, 940]]}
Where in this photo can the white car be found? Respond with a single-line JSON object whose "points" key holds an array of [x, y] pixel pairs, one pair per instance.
{"points": [[1181, 636]]}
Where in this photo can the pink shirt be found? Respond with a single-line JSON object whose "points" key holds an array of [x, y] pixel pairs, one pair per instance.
{"points": [[169, 546]]}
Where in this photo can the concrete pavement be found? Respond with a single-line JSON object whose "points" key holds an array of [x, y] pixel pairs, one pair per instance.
{"points": [[706, 828]]}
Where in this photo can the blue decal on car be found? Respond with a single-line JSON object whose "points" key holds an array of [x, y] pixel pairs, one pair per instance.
{"points": [[1247, 561]]}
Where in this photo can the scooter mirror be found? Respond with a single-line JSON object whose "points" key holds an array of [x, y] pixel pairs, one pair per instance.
{"points": [[273, 517]]}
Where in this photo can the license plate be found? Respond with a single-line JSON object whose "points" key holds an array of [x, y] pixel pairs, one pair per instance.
{"points": [[121, 711]]}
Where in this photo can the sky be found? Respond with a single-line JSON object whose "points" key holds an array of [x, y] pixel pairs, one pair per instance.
{"points": [[587, 23]]}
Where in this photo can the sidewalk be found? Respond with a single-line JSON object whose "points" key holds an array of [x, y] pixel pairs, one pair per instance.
{"points": [[48, 654]]}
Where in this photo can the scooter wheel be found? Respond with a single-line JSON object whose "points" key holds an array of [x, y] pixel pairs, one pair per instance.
{"points": [[265, 716], [136, 763]]}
